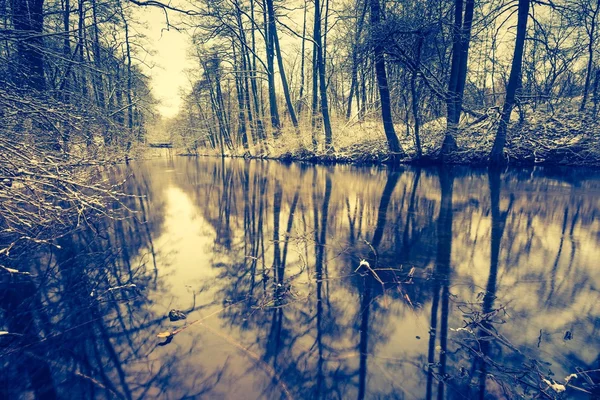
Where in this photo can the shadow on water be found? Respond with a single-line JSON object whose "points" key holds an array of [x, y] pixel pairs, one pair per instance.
{"points": [[314, 282]]}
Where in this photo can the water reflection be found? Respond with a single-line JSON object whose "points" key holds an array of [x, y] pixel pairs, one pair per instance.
{"points": [[314, 282]]}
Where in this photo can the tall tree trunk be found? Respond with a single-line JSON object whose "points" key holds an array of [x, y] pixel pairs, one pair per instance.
{"points": [[452, 118], [66, 47], [216, 102], [81, 45], [221, 106], [129, 79], [415, 96], [251, 75], [284, 83], [217, 118], [239, 86], [323, 86], [363, 93], [244, 78], [384, 92], [64, 86], [269, 39], [27, 18], [596, 85], [461, 39], [207, 124], [258, 108], [514, 82], [465, 43], [119, 114], [248, 104], [98, 80], [354, 72], [302, 62], [315, 120]]}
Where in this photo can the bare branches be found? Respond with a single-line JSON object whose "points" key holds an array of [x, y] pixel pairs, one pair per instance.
{"points": [[44, 194], [164, 6]]}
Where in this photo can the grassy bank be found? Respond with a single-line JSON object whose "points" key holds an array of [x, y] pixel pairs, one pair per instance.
{"points": [[564, 137]]}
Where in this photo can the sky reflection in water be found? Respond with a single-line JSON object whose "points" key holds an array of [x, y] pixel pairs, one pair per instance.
{"points": [[264, 260]]}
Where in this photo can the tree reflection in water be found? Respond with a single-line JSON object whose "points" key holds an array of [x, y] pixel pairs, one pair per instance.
{"points": [[269, 266]]}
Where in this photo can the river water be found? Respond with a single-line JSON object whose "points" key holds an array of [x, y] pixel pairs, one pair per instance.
{"points": [[307, 282]]}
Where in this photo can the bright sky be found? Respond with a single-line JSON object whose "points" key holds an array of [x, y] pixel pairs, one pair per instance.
{"points": [[167, 77]]}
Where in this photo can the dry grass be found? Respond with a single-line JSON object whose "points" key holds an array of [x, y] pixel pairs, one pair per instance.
{"points": [[564, 136]]}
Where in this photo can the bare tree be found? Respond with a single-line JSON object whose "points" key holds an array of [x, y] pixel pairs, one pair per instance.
{"points": [[514, 83], [382, 82]]}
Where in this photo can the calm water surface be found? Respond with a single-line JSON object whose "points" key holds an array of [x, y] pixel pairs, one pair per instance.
{"points": [[312, 282]]}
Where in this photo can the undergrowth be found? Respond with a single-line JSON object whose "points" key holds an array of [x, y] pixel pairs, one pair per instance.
{"points": [[561, 137]]}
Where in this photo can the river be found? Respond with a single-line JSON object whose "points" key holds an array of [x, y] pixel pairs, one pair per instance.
{"points": [[305, 282]]}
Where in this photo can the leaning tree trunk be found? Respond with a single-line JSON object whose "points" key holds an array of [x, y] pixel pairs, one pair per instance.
{"points": [[284, 82], [514, 82], [384, 92]]}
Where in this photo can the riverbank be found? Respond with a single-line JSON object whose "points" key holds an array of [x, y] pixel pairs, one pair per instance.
{"points": [[539, 138]]}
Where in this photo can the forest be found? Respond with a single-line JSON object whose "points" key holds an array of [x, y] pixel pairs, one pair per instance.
{"points": [[467, 81], [447, 81]]}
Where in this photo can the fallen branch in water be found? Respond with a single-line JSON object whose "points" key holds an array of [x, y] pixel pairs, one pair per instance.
{"points": [[170, 334], [532, 375]]}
